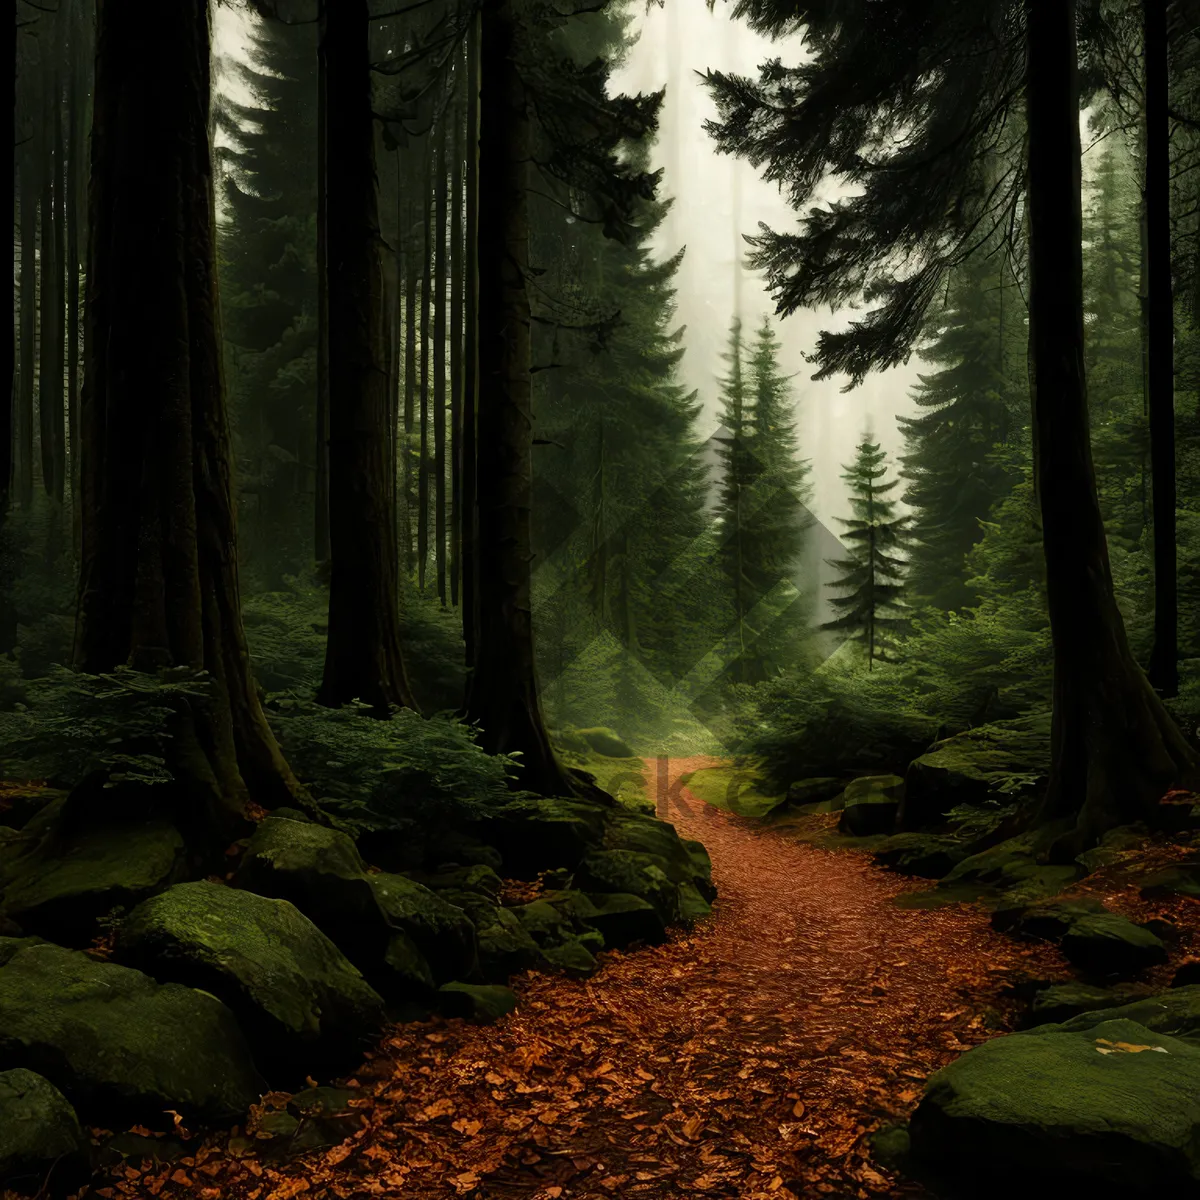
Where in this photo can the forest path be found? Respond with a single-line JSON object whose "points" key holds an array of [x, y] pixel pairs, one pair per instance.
{"points": [[748, 1057]]}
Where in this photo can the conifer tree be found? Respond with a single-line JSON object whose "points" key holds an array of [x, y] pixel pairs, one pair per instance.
{"points": [[872, 610]]}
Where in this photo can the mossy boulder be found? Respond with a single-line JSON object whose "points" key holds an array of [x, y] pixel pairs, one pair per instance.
{"points": [[692, 905], [19, 802], [320, 871], [120, 1045], [975, 767], [870, 805], [1110, 945], [925, 855], [475, 878], [504, 945], [535, 833], [1176, 1012], [1110, 1112], [1112, 847], [59, 888], [572, 957], [815, 790], [1013, 866], [623, 919], [1188, 973], [14, 945], [682, 861], [544, 923], [42, 1145], [1046, 922], [606, 742], [633, 873], [1062, 1001], [1181, 880], [298, 998], [483, 1003]]}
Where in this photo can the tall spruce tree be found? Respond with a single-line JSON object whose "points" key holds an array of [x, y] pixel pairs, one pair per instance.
{"points": [[911, 101], [872, 610]]}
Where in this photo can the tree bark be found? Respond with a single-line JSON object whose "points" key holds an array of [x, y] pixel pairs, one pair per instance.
{"points": [[28, 288], [1115, 749], [423, 395], [469, 513], [439, 360], [456, 335], [50, 365], [362, 656], [76, 216], [321, 475], [1160, 339], [8, 399], [159, 579], [411, 289], [502, 691]]}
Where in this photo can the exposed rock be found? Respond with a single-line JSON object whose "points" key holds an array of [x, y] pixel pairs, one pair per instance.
{"points": [[533, 833], [504, 945], [1047, 922], [692, 905], [870, 805], [623, 919], [41, 1142], [437, 925], [975, 767], [1013, 866], [297, 997], [1111, 945], [634, 873], [1114, 845], [571, 956], [815, 790], [1181, 880], [1062, 1001], [1113, 1112], [59, 889], [478, 1002], [926, 855], [117, 1044], [682, 861], [477, 878]]}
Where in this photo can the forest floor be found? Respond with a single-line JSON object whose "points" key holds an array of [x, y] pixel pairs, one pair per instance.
{"points": [[748, 1057]]}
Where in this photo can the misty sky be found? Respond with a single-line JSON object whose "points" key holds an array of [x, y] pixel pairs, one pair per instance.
{"points": [[716, 199]]}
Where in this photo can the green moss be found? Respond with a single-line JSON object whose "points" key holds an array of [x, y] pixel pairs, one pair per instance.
{"points": [[736, 789]]}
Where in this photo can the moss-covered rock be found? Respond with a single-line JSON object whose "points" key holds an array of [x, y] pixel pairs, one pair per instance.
{"points": [[870, 805], [59, 888], [814, 790], [1113, 846], [1014, 863], [1062, 1001], [683, 861], [13, 945], [1047, 922], [20, 802], [1176, 1013], [534, 833], [320, 871], [634, 873], [1181, 880], [692, 905], [1110, 945], [572, 957], [544, 923], [43, 1149], [926, 855], [120, 1045], [974, 767], [483, 1003], [623, 919], [476, 878], [1111, 1112], [606, 742], [1187, 974], [505, 946], [302, 1003]]}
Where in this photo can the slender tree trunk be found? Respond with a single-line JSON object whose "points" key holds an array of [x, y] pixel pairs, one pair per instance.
{"points": [[411, 289], [76, 214], [502, 692], [456, 337], [158, 581], [8, 376], [1115, 749], [321, 475], [1160, 337], [439, 361], [426, 297], [28, 286], [50, 368], [362, 655], [469, 517]]}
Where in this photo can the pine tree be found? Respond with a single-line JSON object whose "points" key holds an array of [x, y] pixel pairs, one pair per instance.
{"points": [[975, 402], [872, 611]]}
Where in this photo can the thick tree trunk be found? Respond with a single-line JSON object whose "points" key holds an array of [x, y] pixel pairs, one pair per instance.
{"points": [[469, 514], [362, 655], [321, 475], [502, 692], [8, 376], [1160, 339], [439, 361], [456, 336], [411, 300], [1115, 749], [159, 581]]}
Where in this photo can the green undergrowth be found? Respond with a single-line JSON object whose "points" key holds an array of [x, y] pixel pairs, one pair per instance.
{"points": [[738, 789]]}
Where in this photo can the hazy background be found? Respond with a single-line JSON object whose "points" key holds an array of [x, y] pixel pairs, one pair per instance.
{"points": [[718, 198]]}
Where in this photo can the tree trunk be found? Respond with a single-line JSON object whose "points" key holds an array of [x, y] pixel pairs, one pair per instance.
{"points": [[28, 287], [362, 655], [1160, 338], [8, 399], [439, 361], [321, 474], [456, 337], [76, 215], [1115, 749], [423, 397], [411, 288], [502, 692], [159, 579], [50, 366], [469, 516]]}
